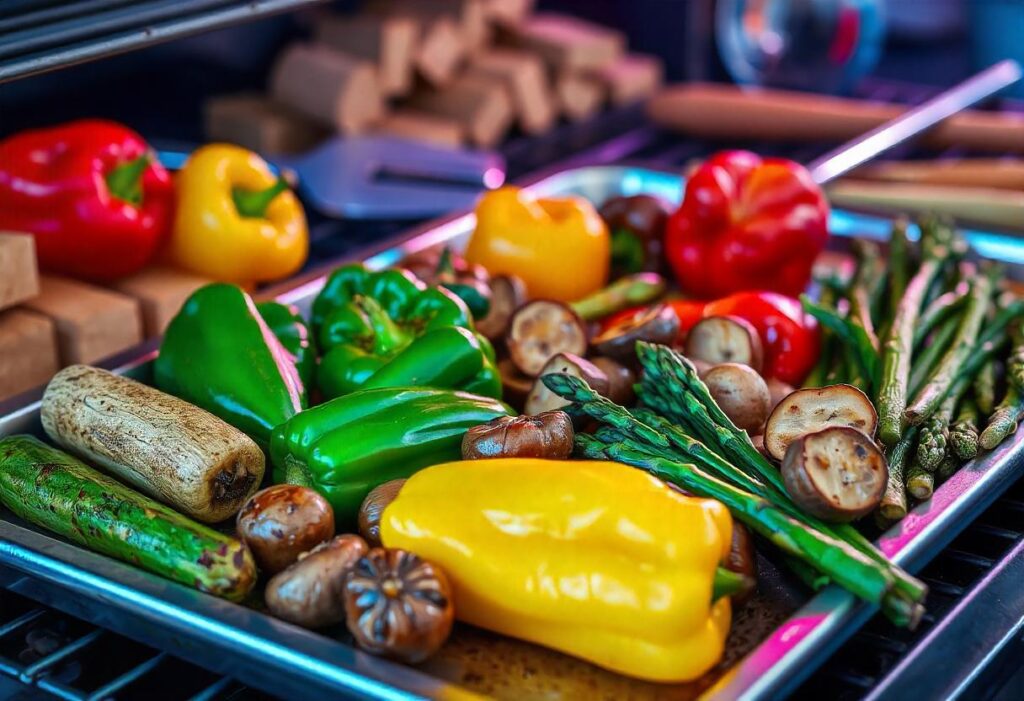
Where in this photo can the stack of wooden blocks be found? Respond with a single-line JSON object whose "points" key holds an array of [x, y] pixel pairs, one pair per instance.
{"points": [[449, 72], [48, 322]]}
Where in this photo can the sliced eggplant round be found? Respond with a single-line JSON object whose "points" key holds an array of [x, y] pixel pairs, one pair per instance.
{"points": [[621, 379], [515, 385], [656, 324], [542, 399], [540, 330], [508, 293], [837, 474], [725, 339], [741, 393], [814, 408]]}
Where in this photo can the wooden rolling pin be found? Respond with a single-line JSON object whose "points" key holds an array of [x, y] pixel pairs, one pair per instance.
{"points": [[972, 172], [981, 206], [725, 111]]}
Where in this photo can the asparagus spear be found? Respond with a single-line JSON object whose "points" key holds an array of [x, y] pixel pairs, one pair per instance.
{"points": [[944, 306], [1015, 361], [849, 568], [934, 437], [928, 359], [894, 501], [947, 467], [920, 481], [1004, 420], [862, 289], [899, 263], [985, 387], [691, 403], [898, 348], [941, 380], [852, 337], [963, 434]]}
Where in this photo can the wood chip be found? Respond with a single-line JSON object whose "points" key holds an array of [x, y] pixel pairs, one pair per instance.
{"points": [[161, 291], [440, 52], [525, 76], [631, 78], [92, 323], [482, 107], [260, 124], [508, 13], [331, 87], [28, 351], [580, 96], [389, 42], [19, 274], [420, 126], [568, 44]]}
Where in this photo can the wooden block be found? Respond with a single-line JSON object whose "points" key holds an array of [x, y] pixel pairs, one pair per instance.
{"points": [[160, 291], [508, 13], [420, 126], [19, 274], [631, 78], [389, 42], [440, 52], [260, 124], [524, 75], [580, 96], [470, 16], [482, 107], [568, 44], [92, 323], [333, 88], [28, 351]]}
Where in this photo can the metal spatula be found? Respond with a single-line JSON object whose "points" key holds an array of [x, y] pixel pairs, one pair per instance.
{"points": [[383, 177]]}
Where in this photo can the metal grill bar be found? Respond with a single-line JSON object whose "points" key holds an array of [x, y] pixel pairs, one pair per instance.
{"points": [[40, 668], [128, 678]]}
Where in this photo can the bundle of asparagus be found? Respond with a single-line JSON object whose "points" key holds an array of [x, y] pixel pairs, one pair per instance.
{"points": [[683, 437], [925, 339]]}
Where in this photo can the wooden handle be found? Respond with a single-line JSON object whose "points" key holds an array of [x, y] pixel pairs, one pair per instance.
{"points": [[977, 205], [972, 172], [724, 111]]}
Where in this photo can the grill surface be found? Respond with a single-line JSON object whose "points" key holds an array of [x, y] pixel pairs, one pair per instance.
{"points": [[44, 653]]}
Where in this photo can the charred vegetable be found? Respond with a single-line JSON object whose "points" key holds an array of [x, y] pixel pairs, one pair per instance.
{"points": [[373, 506], [628, 291], [451, 271], [546, 435], [311, 591], [637, 226], [620, 379], [281, 522], [515, 386], [58, 492], [542, 399], [725, 339], [837, 474], [398, 605], [810, 410], [161, 445], [656, 324], [508, 293], [539, 331], [742, 560], [741, 393]]}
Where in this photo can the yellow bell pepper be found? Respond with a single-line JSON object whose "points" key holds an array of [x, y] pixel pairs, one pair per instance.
{"points": [[595, 559], [235, 221], [560, 247]]}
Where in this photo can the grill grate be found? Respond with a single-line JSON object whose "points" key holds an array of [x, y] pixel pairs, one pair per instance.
{"points": [[63, 657]]}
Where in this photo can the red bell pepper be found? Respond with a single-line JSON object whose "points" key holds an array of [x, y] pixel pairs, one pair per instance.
{"points": [[747, 223], [92, 194], [791, 339]]}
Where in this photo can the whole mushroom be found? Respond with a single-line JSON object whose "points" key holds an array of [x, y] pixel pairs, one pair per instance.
{"points": [[545, 435], [280, 523], [398, 605]]}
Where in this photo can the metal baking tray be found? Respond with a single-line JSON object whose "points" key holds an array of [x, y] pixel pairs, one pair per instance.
{"points": [[777, 639]]}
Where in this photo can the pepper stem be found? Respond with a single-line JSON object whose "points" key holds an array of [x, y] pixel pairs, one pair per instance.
{"points": [[125, 181], [729, 583], [254, 203]]}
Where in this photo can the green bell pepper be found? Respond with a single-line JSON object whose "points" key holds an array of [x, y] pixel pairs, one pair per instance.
{"points": [[287, 324], [349, 445], [389, 329], [219, 354]]}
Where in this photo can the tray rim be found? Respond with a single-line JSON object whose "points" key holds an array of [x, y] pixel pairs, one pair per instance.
{"points": [[790, 653]]}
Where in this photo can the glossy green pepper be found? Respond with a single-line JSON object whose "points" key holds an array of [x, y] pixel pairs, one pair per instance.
{"points": [[291, 330], [349, 445], [219, 354], [367, 322]]}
